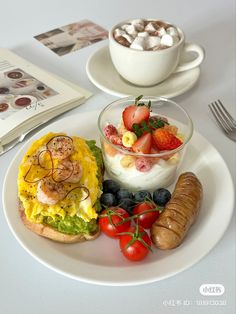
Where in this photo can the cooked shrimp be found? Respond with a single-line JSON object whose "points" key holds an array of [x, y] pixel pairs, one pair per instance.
{"points": [[61, 146], [69, 171], [49, 192]]}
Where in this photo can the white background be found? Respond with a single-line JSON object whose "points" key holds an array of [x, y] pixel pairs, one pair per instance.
{"points": [[28, 287]]}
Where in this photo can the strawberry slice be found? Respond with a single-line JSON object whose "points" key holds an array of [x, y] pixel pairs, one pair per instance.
{"points": [[165, 140], [154, 150], [143, 144], [135, 114]]}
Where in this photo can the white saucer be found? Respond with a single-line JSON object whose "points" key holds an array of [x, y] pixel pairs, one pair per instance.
{"points": [[102, 74]]}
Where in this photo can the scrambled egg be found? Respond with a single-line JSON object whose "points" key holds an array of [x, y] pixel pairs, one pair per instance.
{"points": [[74, 203]]}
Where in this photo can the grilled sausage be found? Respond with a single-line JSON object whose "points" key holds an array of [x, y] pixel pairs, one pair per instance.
{"points": [[179, 214]]}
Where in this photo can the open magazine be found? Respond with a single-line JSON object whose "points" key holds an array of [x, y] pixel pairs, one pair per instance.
{"points": [[30, 96]]}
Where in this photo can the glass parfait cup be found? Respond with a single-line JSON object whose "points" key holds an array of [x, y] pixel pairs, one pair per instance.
{"points": [[138, 171]]}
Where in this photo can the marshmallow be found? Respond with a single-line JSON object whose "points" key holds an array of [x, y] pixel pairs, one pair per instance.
{"points": [[139, 27], [118, 32], [138, 43], [138, 24], [162, 24], [152, 41], [161, 31], [128, 38], [130, 29], [150, 27], [168, 40], [143, 34], [137, 21], [172, 31], [121, 40], [124, 26]]}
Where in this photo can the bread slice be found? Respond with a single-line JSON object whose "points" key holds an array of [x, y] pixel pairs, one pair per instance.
{"points": [[52, 234]]}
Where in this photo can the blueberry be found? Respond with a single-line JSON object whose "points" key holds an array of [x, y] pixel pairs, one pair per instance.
{"points": [[110, 186], [141, 196], [108, 199], [123, 193], [161, 196], [127, 204]]}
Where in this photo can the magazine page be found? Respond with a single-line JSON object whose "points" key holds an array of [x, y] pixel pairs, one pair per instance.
{"points": [[26, 91]]}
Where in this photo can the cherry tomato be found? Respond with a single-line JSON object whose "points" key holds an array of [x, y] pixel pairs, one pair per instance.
{"points": [[110, 221], [135, 243], [149, 216]]}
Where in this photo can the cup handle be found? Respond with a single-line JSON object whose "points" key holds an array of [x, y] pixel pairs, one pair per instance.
{"points": [[194, 63]]}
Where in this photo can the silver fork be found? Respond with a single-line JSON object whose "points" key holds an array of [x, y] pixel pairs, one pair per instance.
{"points": [[224, 119]]}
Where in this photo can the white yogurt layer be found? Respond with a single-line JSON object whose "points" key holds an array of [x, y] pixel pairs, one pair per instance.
{"points": [[162, 174]]}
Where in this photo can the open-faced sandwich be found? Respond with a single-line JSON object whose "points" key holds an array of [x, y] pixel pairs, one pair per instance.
{"points": [[59, 185]]}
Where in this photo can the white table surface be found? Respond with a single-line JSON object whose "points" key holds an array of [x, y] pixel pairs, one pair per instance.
{"points": [[26, 286]]}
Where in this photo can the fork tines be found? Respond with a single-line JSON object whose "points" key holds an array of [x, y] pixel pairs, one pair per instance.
{"points": [[222, 116]]}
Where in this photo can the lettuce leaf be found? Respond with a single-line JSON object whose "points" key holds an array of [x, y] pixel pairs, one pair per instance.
{"points": [[97, 153]]}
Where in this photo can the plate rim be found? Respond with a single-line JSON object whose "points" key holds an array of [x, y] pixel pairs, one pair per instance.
{"points": [[98, 281], [119, 94]]}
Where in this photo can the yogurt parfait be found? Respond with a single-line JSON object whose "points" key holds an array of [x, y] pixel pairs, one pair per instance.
{"points": [[143, 141]]}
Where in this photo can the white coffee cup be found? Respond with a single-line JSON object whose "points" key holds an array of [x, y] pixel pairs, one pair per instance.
{"points": [[146, 68]]}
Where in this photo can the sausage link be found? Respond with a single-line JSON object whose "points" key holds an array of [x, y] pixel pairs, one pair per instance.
{"points": [[179, 214]]}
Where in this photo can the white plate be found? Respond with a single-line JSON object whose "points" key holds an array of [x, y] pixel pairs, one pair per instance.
{"points": [[100, 261], [102, 74]]}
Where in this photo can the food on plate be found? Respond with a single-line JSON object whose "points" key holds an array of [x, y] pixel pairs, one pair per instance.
{"points": [[159, 217], [113, 221], [128, 204], [108, 199], [165, 139], [115, 195], [141, 196], [126, 221], [141, 149], [147, 213], [59, 186], [161, 196], [135, 114], [110, 186], [124, 194], [135, 243], [179, 214], [142, 34]]}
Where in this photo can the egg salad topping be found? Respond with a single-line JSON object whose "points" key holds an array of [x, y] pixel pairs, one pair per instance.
{"points": [[58, 178]]}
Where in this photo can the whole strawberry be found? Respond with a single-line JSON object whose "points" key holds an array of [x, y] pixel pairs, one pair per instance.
{"points": [[136, 113], [165, 140]]}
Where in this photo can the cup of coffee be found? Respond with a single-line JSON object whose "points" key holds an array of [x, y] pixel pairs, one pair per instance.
{"points": [[145, 52]]}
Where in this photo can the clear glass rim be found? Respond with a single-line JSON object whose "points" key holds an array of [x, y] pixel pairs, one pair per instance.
{"points": [[153, 98]]}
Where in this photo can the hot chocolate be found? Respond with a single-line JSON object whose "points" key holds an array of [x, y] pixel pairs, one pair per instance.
{"points": [[144, 34]]}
